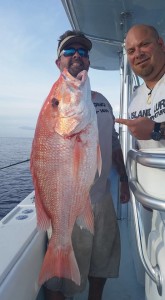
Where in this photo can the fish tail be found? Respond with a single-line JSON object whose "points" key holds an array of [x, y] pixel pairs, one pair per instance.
{"points": [[60, 263]]}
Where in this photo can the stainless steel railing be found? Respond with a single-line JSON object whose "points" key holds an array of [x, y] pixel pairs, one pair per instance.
{"points": [[154, 160]]}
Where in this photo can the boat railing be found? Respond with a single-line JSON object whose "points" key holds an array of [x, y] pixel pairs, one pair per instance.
{"points": [[139, 196]]}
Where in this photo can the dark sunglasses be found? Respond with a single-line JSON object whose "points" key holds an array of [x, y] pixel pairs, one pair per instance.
{"points": [[71, 51]]}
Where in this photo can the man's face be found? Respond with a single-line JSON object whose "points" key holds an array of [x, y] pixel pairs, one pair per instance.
{"points": [[145, 53], [74, 64]]}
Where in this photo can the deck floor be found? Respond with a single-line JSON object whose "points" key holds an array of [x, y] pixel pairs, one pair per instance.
{"points": [[126, 286]]}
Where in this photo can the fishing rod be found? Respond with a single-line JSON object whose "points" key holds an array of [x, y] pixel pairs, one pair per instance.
{"points": [[11, 165]]}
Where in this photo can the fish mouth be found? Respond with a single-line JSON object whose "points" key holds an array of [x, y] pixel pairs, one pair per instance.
{"points": [[72, 112], [70, 115]]}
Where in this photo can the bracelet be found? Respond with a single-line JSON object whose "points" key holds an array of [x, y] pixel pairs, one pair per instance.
{"points": [[123, 178]]}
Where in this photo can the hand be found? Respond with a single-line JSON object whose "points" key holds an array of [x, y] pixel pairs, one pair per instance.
{"points": [[140, 128], [124, 192]]}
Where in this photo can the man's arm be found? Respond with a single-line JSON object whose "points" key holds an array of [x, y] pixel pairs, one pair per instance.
{"points": [[118, 161], [141, 128]]}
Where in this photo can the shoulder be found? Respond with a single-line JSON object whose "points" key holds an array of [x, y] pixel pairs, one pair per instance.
{"points": [[139, 89], [100, 99], [97, 95], [102, 106]]}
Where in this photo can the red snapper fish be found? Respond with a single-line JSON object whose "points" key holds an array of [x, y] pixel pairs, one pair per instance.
{"points": [[65, 157]]}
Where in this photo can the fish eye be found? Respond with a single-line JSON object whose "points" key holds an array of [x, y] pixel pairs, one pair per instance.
{"points": [[55, 102]]}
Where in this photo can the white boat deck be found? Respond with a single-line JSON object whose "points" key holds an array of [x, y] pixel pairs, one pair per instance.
{"points": [[126, 287]]}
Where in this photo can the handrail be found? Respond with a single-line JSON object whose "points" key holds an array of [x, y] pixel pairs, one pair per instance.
{"points": [[152, 160], [155, 160]]}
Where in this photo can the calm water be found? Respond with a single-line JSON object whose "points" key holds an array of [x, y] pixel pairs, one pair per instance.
{"points": [[15, 181]]}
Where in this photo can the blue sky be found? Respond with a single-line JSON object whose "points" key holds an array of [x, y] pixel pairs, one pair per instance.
{"points": [[29, 32]]}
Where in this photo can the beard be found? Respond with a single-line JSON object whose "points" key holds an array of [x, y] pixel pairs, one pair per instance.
{"points": [[143, 71], [75, 67]]}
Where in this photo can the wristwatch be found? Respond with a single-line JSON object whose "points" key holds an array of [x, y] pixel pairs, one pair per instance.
{"points": [[157, 133]]}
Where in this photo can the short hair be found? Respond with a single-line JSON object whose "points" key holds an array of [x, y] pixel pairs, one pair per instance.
{"points": [[70, 33], [72, 36]]}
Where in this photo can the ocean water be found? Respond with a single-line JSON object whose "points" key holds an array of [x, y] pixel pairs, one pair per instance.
{"points": [[15, 181]]}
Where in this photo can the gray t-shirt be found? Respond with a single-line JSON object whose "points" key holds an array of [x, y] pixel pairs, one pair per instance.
{"points": [[109, 141]]}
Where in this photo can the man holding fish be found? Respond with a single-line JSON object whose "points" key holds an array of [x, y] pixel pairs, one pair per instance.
{"points": [[71, 158]]}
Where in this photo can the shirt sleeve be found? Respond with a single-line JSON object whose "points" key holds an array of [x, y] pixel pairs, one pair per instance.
{"points": [[115, 135]]}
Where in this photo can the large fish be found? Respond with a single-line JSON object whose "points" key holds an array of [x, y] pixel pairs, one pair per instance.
{"points": [[64, 160]]}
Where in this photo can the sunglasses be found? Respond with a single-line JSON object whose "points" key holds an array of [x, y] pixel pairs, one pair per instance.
{"points": [[71, 51]]}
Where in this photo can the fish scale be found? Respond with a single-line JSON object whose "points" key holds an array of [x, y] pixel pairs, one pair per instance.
{"points": [[65, 157]]}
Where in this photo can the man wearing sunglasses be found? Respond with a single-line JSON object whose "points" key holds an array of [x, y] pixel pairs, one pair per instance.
{"points": [[73, 54], [97, 256]]}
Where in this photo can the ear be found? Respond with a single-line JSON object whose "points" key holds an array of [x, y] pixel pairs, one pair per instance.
{"points": [[161, 43], [58, 62]]}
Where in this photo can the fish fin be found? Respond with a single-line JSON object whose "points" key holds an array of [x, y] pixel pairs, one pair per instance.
{"points": [[43, 221], [86, 220], [99, 159], [60, 263]]}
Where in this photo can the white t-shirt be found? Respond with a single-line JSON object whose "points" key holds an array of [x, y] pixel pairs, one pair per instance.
{"points": [[151, 106], [108, 139]]}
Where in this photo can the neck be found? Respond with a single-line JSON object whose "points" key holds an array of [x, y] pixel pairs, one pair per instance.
{"points": [[151, 83]]}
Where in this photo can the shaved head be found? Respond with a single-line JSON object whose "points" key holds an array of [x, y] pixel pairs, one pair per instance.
{"points": [[143, 28], [146, 52]]}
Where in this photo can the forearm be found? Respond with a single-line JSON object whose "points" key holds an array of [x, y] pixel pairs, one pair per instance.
{"points": [[143, 128], [118, 161]]}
